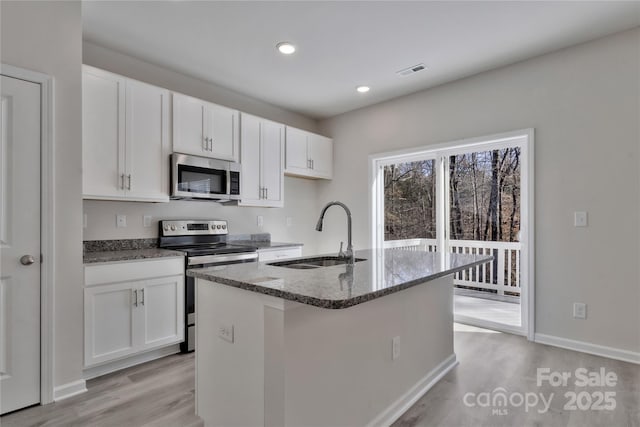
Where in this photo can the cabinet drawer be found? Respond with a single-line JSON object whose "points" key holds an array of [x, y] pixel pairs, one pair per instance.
{"points": [[132, 270], [279, 254]]}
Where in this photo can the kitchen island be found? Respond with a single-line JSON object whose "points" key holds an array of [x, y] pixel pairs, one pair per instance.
{"points": [[352, 344]]}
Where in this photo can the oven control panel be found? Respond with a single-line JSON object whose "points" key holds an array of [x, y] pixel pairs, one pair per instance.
{"points": [[193, 228]]}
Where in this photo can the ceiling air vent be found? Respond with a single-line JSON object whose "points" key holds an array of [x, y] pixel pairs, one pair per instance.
{"points": [[411, 70]]}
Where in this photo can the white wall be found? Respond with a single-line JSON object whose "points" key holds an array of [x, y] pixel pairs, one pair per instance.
{"points": [[584, 105], [299, 193], [46, 37], [300, 205]]}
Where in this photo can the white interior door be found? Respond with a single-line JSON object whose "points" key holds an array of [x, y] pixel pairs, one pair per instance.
{"points": [[19, 244]]}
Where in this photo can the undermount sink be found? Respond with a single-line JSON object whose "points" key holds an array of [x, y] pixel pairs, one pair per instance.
{"points": [[315, 262]]}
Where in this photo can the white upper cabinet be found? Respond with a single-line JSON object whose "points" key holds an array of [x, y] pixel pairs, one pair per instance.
{"points": [[125, 138], [308, 155], [262, 158], [205, 129]]}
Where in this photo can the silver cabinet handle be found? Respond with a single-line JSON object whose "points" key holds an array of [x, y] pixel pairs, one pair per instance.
{"points": [[205, 143], [312, 164], [129, 182], [135, 297], [122, 181], [266, 193], [210, 144], [309, 163], [142, 299], [27, 259]]}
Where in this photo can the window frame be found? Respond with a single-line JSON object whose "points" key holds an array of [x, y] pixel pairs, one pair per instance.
{"points": [[440, 152]]}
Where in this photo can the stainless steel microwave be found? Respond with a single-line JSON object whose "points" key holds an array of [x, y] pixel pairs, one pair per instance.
{"points": [[194, 177]]}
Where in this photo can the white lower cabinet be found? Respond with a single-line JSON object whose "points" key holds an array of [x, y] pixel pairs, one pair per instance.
{"points": [[279, 254], [132, 307]]}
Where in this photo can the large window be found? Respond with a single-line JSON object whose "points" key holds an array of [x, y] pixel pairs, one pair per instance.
{"points": [[466, 197], [484, 192], [410, 200]]}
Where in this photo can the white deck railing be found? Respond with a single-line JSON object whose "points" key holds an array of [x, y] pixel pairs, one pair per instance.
{"points": [[501, 275]]}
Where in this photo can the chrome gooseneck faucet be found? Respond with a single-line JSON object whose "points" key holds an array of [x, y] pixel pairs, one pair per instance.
{"points": [[349, 252]]}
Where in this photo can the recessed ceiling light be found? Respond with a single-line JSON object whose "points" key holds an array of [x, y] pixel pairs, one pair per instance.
{"points": [[363, 89], [286, 48]]}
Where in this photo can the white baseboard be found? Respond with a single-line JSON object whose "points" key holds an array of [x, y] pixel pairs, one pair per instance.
{"points": [[107, 368], [400, 406], [585, 347], [68, 390]]}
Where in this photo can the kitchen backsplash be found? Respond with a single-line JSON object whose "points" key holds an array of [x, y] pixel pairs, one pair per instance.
{"points": [[295, 222]]}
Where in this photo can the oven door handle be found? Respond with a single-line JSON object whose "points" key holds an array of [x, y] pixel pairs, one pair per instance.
{"points": [[222, 258]]}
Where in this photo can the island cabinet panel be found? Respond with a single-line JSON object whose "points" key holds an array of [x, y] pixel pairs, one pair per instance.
{"points": [[292, 364], [308, 155], [125, 138], [132, 307], [205, 129], [262, 158]]}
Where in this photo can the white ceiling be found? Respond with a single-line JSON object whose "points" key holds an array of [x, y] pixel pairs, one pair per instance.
{"points": [[343, 44]]}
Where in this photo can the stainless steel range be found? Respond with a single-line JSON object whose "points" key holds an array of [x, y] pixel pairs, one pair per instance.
{"points": [[205, 245]]}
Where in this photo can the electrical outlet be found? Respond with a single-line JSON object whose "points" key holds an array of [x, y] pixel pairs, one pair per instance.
{"points": [[289, 221], [579, 310], [260, 220], [395, 348], [121, 221], [579, 219], [146, 220], [226, 332]]}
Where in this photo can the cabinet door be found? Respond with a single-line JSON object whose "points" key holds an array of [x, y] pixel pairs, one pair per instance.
{"points": [[161, 304], [147, 142], [250, 186], [188, 125], [222, 125], [272, 165], [103, 127], [296, 151], [109, 322], [321, 155]]}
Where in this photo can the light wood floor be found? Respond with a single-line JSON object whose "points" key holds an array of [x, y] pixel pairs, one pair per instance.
{"points": [[161, 393]]}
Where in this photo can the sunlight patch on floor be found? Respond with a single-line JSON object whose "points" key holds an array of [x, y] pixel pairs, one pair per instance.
{"points": [[459, 327]]}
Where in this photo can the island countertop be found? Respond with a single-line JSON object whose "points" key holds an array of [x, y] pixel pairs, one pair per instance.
{"points": [[383, 272]]}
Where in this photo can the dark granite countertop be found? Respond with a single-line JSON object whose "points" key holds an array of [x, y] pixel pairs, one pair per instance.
{"points": [[128, 255], [383, 272]]}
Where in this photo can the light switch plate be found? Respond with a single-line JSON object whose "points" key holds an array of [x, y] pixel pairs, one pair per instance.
{"points": [[289, 221], [579, 310], [146, 220], [395, 348], [260, 220], [121, 221], [580, 219], [226, 332]]}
